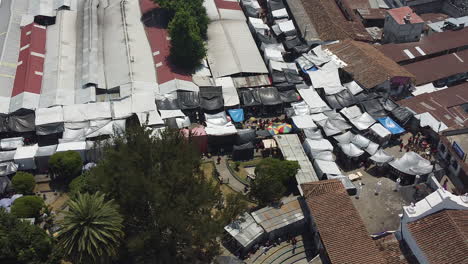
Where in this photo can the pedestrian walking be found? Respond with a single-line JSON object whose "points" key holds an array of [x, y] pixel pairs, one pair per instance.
{"points": [[359, 190], [401, 145], [378, 187], [397, 184], [416, 180], [218, 160]]}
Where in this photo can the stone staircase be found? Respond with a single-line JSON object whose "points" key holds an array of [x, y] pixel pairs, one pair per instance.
{"points": [[282, 254]]}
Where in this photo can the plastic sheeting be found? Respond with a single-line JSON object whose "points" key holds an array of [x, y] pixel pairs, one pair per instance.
{"points": [[166, 114], [243, 152], [402, 114], [360, 141], [372, 148], [11, 143], [269, 96], [8, 155], [312, 147], [230, 96], [413, 164], [341, 99], [428, 120], [353, 87], [42, 157], [351, 112], [22, 123], [312, 133], [211, 98], [188, 100], [24, 157], [237, 115], [387, 104], [312, 98], [249, 97], [325, 76], [351, 150], [304, 121], [381, 156], [347, 183], [244, 136], [326, 167], [7, 168], [380, 131], [79, 146], [168, 102], [49, 120], [333, 126], [218, 125], [289, 96], [391, 125], [374, 108], [344, 138], [363, 121]]}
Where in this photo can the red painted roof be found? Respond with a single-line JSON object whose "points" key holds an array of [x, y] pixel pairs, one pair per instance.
{"points": [[32, 60], [399, 14], [223, 4], [159, 42]]}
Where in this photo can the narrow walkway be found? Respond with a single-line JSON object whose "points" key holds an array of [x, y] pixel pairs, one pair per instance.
{"points": [[226, 176]]}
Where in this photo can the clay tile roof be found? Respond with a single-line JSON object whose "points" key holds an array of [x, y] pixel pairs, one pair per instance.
{"points": [[369, 66], [341, 229], [393, 251], [442, 236], [331, 24]]}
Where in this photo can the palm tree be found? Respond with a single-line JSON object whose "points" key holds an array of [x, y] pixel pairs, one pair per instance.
{"points": [[91, 229]]}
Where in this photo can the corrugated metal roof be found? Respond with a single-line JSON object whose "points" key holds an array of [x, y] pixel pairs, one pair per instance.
{"points": [[292, 149], [245, 230], [232, 49], [273, 218]]}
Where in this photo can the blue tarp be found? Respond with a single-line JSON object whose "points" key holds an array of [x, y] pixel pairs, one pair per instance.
{"points": [[237, 115], [391, 125]]}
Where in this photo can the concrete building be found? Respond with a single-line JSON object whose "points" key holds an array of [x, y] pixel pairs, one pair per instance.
{"points": [[435, 228], [402, 25], [452, 149]]}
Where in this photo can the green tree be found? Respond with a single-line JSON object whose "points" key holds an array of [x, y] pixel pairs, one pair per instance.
{"points": [[23, 243], [66, 164], [81, 184], [27, 206], [187, 46], [195, 7], [272, 178], [92, 229], [23, 182], [172, 212]]}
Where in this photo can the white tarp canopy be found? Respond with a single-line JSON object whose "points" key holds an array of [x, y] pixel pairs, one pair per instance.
{"points": [[345, 137], [86, 112], [372, 148], [360, 141], [11, 143], [230, 96], [258, 25], [151, 118], [280, 13], [326, 167], [42, 156], [24, 157], [42, 8], [326, 76], [324, 155], [304, 121], [165, 114], [79, 146], [300, 108], [426, 88], [58, 81], [183, 85], [313, 99], [7, 155], [353, 87], [363, 121], [351, 112], [351, 150], [273, 54], [317, 145], [318, 117], [380, 131], [218, 125], [287, 27], [122, 108], [232, 49], [50, 115], [381, 156], [333, 126], [426, 119], [412, 163], [280, 66], [313, 134]]}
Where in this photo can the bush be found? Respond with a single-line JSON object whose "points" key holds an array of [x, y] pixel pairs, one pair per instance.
{"points": [[27, 206], [81, 184], [23, 182], [66, 164]]}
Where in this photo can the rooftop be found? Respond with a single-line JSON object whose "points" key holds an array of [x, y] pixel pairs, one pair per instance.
{"points": [[341, 229], [368, 65], [445, 105], [330, 22], [393, 251], [428, 45], [442, 236], [433, 17], [440, 67], [405, 12], [273, 218]]}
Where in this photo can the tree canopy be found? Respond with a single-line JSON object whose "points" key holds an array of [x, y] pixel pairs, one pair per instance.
{"points": [[22, 242], [91, 230], [272, 176], [172, 212], [28, 206], [187, 46], [66, 164], [23, 182]]}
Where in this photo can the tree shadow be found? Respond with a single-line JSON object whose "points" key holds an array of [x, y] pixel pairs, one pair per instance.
{"points": [[157, 18]]}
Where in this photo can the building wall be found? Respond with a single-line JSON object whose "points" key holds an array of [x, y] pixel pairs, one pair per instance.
{"points": [[454, 166], [408, 238], [397, 33]]}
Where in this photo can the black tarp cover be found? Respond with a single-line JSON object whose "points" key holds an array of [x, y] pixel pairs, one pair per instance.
{"points": [[275, 5], [48, 129], [291, 43], [211, 98], [249, 97], [22, 123], [250, 11], [292, 76], [341, 99], [243, 152], [269, 96], [402, 114], [374, 108], [245, 136], [388, 104], [266, 39], [188, 99], [289, 96], [278, 77], [4, 123], [168, 103]]}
